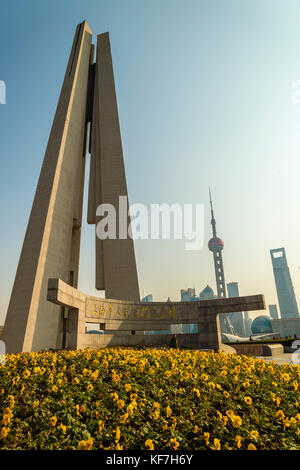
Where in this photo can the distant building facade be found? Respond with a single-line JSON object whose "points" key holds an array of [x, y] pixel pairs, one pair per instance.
{"points": [[247, 324], [273, 311], [233, 289], [187, 294], [207, 293], [284, 286], [147, 298], [285, 327], [236, 318]]}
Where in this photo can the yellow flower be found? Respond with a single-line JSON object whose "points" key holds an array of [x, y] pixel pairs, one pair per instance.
{"points": [[175, 443], [229, 413], [277, 399], [168, 373], [54, 388], [114, 396], [90, 387], [197, 391], [168, 411], [251, 447], [130, 408], [53, 420], [119, 447], [226, 394], [285, 377], [86, 445], [286, 423], [7, 416], [149, 444], [124, 417], [217, 444], [63, 428], [248, 400], [196, 429], [279, 414], [236, 421], [254, 434], [100, 426], [204, 377], [156, 414], [133, 396], [127, 387], [26, 373], [4, 432], [295, 385], [35, 403], [206, 437], [238, 441], [76, 380], [95, 375], [118, 434], [120, 403]]}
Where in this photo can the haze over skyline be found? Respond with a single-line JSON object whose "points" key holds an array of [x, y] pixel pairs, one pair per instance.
{"points": [[204, 96]]}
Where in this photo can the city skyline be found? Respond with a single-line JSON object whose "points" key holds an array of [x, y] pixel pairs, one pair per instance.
{"points": [[221, 116]]}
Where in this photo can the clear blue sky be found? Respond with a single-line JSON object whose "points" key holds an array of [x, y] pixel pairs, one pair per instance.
{"points": [[204, 95]]}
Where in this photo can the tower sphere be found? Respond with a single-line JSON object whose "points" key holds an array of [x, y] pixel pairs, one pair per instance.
{"points": [[215, 244]]}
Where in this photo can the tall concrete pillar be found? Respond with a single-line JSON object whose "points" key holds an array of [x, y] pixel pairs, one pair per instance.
{"points": [[116, 271], [52, 242]]}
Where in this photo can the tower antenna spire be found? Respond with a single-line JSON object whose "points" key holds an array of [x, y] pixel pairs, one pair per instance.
{"points": [[216, 245], [213, 220]]}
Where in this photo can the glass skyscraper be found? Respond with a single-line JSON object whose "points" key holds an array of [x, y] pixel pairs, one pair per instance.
{"points": [[284, 286]]}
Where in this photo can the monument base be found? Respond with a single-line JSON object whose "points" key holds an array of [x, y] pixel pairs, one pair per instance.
{"points": [[128, 323]]}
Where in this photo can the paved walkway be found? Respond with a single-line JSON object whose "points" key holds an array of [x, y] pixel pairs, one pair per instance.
{"points": [[285, 358]]}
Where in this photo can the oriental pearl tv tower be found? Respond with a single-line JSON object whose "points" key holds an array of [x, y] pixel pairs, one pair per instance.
{"points": [[216, 245]]}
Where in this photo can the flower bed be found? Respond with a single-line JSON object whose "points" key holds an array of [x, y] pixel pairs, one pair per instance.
{"points": [[131, 399]]}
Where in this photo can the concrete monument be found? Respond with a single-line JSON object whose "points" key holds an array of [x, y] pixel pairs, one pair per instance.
{"points": [[52, 241]]}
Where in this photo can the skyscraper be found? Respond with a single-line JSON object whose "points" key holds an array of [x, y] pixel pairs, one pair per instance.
{"points": [[273, 311], [147, 298], [236, 318], [247, 322], [187, 294], [233, 289], [284, 286], [207, 293]]}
